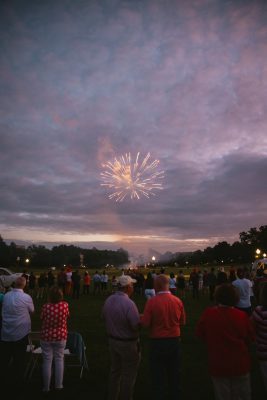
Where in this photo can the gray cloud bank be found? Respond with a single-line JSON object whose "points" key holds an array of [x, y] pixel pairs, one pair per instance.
{"points": [[84, 81]]}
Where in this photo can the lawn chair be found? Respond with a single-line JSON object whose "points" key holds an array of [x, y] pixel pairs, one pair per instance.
{"points": [[74, 353], [35, 352]]}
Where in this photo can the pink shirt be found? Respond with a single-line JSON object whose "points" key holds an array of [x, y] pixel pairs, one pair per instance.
{"points": [[121, 316]]}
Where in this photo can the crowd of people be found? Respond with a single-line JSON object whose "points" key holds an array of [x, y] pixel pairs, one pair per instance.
{"points": [[237, 317]]}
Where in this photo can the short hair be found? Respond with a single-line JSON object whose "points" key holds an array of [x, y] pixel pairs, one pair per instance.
{"points": [[161, 282], [227, 295], [55, 294], [20, 282]]}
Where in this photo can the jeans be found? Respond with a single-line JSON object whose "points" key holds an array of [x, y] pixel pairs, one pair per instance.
{"points": [[234, 388], [125, 358], [50, 351], [165, 361]]}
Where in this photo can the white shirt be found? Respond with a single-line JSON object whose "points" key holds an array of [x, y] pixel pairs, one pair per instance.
{"points": [[172, 282], [16, 320], [244, 287], [68, 276], [104, 278]]}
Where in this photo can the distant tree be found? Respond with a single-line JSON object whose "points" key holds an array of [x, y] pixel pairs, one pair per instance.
{"points": [[255, 237], [4, 253]]}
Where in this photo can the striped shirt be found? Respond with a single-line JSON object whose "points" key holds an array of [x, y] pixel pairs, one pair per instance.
{"points": [[259, 318]]}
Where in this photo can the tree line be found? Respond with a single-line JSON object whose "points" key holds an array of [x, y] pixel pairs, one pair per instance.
{"points": [[13, 255], [240, 252]]}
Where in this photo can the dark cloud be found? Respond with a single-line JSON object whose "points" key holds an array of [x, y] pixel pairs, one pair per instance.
{"points": [[82, 82]]}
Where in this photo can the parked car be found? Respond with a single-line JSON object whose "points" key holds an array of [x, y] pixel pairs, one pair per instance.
{"points": [[7, 277]]}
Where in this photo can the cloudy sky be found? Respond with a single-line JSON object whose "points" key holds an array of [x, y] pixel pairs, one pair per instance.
{"points": [[83, 81]]}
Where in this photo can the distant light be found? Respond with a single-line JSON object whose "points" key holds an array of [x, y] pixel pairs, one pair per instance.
{"points": [[27, 260], [153, 258], [264, 255], [258, 251]]}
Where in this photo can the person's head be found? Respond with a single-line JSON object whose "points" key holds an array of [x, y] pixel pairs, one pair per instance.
{"points": [[232, 271], [20, 282], [161, 283], [226, 295], [263, 295], [125, 284], [55, 294], [240, 273], [171, 275]]}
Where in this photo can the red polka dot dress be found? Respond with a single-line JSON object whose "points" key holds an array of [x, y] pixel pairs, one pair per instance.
{"points": [[54, 321]]}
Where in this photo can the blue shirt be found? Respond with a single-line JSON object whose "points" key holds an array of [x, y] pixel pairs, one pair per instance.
{"points": [[16, 320], [121, 316]]}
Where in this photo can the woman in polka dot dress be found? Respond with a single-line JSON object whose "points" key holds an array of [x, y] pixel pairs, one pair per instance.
{"points": [[54, 317]]}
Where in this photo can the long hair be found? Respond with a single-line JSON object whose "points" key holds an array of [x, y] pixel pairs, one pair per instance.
{"points": [[55, 295]]}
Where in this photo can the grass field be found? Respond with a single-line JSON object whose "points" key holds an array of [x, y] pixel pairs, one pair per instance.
{"points": [[86, 319]]}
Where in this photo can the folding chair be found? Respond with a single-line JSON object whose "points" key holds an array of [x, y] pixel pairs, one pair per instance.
{"points": [[35, 351], [74, 353]]}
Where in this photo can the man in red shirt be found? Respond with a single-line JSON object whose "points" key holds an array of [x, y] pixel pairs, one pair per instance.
{"points": [[227, 332], [163, 315]]}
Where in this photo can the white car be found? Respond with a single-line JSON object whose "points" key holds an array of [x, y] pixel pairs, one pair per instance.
{"points": [[7, 278]]}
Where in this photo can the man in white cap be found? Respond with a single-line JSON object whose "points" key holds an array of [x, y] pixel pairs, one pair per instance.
{"points": [[122, 321]]}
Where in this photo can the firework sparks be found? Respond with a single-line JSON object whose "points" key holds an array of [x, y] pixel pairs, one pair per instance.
{"points": [[128, 177]]}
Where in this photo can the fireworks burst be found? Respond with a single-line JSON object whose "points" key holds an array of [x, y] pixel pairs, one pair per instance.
{"points": [[128, 177]]}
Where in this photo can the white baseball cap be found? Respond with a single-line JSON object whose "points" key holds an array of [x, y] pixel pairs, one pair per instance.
{"points": [[125, 280]]}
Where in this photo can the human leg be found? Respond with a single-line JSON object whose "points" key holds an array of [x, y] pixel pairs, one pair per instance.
{"points": [[19, 358], [222, 388], [240, 387], [130, 356], [47, 353], [263, 368], [212, 290], [173, 366], [158, 361], [6, 358], [58, 353], [115, 371]]}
